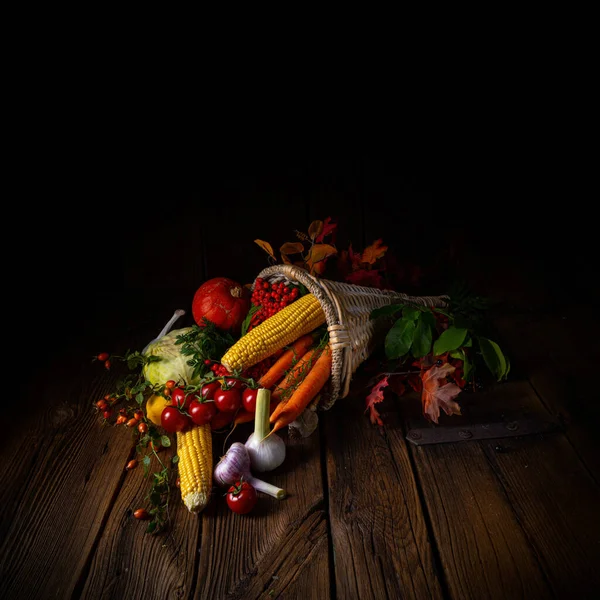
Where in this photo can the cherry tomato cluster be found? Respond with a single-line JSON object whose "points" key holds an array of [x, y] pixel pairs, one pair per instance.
{"points": [[271, 297], [215, 403]]}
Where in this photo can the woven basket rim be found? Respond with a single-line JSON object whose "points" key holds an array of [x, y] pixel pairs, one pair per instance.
{"points": [[334, 298]]}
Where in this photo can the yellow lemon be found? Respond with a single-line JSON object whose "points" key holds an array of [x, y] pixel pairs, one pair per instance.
{"points": [[154, 407]]}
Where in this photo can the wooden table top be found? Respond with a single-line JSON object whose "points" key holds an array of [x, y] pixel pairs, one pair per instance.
{"points": [[369, 515]]}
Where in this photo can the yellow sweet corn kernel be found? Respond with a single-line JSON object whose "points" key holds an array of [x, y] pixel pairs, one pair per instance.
{"points": [[295, 320], [194, 448]]}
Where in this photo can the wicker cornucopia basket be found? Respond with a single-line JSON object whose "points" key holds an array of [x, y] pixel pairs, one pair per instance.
{"points": [[352, 333]]}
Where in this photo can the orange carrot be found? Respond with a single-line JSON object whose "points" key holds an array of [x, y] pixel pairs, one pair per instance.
{"points": [[286, 360], [295, 374], [308, 389]]}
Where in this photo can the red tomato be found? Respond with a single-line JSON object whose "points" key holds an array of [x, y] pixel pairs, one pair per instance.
{"points": [[249, 399], [234, 384], [241, 497], [202, 412], [220, 420], [173, 420], [228, 400], [208, 390], [179, 398]]}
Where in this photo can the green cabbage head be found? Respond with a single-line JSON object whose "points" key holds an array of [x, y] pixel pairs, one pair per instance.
{"points": [[172, 364]]}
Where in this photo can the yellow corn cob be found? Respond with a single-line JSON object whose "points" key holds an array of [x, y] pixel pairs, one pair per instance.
{"points": [[283, 328], [194, 448]]}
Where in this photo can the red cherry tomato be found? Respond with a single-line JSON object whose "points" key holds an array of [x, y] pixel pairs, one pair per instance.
{"points": [[234, 384], [179, 398], [220, 420], [228, 400], [173, 420], [103, 356], [241, 497], [249, 399], [202, 412], [208, 390]]}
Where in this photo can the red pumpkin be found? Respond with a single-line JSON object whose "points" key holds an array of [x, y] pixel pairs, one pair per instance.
{"points": [[222, 301]]}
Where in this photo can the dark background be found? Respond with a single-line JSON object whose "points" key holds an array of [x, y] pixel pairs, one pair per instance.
{"points": [[132, 233]]}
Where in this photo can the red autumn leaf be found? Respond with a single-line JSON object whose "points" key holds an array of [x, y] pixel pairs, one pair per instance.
{"points": [[397, 386], [437, 393], [373, 398], [328, 228], [366, 278], [355, 258], [415, 382], [374, 252]]}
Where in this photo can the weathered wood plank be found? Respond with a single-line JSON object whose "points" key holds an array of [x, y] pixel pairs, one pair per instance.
{"points": [[269, 552], [557, 352], [512, 527], [483, 549], [380, 539], [61, 480], [556, 502], [131, 564]]}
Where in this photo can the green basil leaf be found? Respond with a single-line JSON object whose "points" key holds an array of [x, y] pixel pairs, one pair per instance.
{"points": [[399, 338], [451, 339], [422, 339], [165, 441]]}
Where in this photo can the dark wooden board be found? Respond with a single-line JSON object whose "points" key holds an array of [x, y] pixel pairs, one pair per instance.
{"points": [[558, 354], [272, 551], [380, 539], [512, 517], [60, 478], [128, 563]]}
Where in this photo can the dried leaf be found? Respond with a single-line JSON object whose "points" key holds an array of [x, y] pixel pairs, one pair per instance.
{"points": [[373, 398], [315, 229], [328, 228], [317, 253], [266, 247], [374, 252], [292, 248], [436, 396], [285, 259]]}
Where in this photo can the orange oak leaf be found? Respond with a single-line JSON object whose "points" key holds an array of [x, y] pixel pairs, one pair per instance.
{"points": [[373, 398], [317, 253], [328, 227], [436, 396], [285, 259], [292, 248], [374, 252], [266, 247]]}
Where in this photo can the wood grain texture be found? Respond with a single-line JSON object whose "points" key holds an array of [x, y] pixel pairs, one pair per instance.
{"points": [[556, 502], [61, 478], [131, 564], [271, 551], [558, 355], [380, 540], [483, 549]]}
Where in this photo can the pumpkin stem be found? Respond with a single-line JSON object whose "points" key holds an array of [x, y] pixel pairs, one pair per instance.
{"points": [[236, 292]]}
